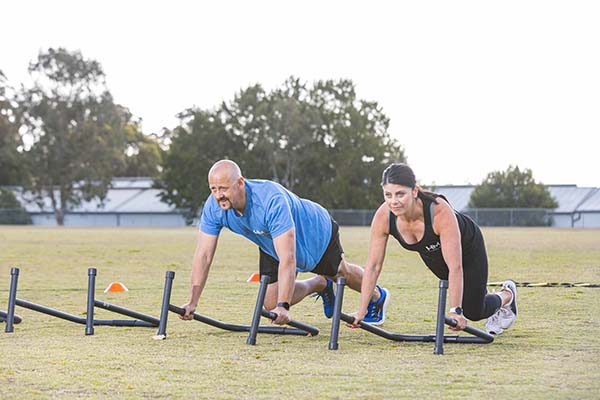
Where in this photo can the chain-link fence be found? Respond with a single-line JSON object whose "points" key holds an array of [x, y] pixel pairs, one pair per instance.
{"points": [[511, 216], [352, 217], [14, 216], [482, 216], [344, 217]]}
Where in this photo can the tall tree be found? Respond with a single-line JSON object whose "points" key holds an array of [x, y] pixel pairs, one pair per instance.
{"points": [[12, 168], [76, 129], [279, 130], [359, 146], [512, 188], [196, 144], [244, 121], [320, 141], [143, 153]]}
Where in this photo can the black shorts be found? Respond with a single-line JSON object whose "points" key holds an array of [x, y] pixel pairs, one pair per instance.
{"points": [[328, 264]]}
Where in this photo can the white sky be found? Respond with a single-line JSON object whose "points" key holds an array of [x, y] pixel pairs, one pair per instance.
{"points": [[470, 86]]}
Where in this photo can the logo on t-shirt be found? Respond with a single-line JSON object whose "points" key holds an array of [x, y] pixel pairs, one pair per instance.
{"points": [[260, 233], [433, 247]]}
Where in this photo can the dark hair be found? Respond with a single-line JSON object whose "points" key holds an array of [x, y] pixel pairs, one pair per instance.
{"points": [[402, 174], [399, 174]]}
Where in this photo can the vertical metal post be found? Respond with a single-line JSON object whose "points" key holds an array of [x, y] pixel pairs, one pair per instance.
{"points": [[12, 299], [262, 291], [441, 316], [337, 314], [89, 317], [164, 311]]}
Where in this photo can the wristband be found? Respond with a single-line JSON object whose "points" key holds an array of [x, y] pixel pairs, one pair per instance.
{"points": [[284, 304]]}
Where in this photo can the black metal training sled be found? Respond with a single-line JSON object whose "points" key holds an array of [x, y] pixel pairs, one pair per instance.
{"points": [[296, 328], [16, 318], [478, 336], [141, 320]]}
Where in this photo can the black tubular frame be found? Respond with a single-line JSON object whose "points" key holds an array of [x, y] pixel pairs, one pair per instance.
{"points": [[337, 313], [16, 318], [309, 330], [260, 300], [298, 328], [89, 321], [12, 294], [479, 336]]}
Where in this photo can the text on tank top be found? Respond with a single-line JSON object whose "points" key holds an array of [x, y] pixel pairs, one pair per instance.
{"points": [[430, 247]]}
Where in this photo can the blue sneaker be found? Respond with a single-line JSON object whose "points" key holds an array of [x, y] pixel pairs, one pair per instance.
{"points": [[376, 310], [328, 298]]}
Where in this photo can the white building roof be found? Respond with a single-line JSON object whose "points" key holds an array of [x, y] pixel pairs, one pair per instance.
{"points": [[127, 195], [570, 198], [458, 196], [136, 195], [132, 183], [592, 202]]}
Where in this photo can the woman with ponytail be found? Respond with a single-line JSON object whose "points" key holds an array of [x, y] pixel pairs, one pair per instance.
{"points": [[449, 243]]}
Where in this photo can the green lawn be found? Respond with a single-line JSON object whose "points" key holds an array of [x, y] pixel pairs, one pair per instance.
{"points": [[553, 351]]}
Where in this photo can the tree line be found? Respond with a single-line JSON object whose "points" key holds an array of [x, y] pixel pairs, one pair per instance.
{"points": [[63, 138]]}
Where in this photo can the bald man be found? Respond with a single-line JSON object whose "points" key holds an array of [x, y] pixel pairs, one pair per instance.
{"points": [[293, 235]]}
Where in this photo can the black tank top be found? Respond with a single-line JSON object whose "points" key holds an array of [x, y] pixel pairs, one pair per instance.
{"points": [[429, 247]]}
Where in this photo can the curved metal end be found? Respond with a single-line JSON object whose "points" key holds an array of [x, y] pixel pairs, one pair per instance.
{"points": [[341, 280], [443, 284], [92, 271], [170, 274], [14, 271]]}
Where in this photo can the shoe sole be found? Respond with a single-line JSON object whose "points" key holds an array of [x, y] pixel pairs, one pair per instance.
{"points": [[494, 328], [383, 309], [328, 316], [496, 333], [512, 322], [514, 299], [332, 304]]}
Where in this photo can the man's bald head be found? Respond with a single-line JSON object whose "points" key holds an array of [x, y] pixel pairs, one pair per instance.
{"points": [[226, 184], [225, 169]]}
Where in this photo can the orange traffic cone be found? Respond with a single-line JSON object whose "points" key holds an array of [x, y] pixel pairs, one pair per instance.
{"points": [[116, 287], [255, 277]]}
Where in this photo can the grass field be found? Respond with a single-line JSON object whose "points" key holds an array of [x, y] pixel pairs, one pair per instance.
{"points": [[552, 352]]}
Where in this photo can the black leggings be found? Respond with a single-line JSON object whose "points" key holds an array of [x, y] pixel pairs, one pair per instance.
{"points": [[477, 303]]}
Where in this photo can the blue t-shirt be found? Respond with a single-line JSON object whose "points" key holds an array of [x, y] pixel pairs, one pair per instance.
{"points": [[270, 211]]}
